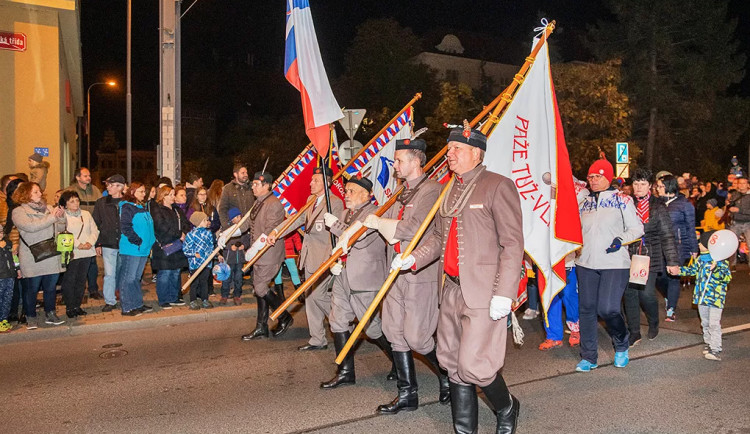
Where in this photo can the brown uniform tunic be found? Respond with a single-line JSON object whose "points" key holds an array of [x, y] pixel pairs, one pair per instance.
{"points": [[265, 214], [471, 346], [410, 309], [316, 249], [363, 275]]}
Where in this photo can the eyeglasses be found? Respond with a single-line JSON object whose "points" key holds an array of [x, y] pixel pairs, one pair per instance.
{"points": [[594, 176]]}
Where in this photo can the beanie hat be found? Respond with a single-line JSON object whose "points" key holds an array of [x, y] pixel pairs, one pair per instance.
{"points": [[197, 218], [603, 168], [36, 157], [712, 202], [705, 237], [234, 212]]}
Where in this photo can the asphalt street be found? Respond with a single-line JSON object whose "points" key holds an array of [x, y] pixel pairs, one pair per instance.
{"points": [[200, 377]]}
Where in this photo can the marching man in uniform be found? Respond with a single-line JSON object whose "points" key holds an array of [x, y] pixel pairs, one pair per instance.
{"points": [[410, 309], [478, 237], [265, 214], [357, 282], [316, 248]]}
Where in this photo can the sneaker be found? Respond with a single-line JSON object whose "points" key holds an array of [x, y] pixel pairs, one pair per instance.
{"points": [[713, 355], [530, 314], [134, 312], [706, 349], [5, 326], [165, 306], [653, 332], [32, 323], [207, 304], [108, 307], [146, 308], [621, 359], [671, 317], [548, 344], [575, 339], [194, 305], [53, 319], [634, 339], [178, 302], [585, 366], [153, 278], [223, 301]]}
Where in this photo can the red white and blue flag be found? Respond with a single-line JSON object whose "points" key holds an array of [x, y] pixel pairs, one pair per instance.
{"points": [[303, 68]]}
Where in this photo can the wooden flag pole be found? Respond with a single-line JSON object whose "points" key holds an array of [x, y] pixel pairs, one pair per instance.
{"points": [[393, 274]]}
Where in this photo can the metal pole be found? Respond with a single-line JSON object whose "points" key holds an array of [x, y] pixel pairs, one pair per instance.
{"points": [[128, 104], [88, 130], [177, 94]]}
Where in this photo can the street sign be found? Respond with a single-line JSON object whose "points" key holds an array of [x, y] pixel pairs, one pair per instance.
{"points": [[623, 157], [348, 149], [44, 152], [352, 120], [622, 170], [12, 41]]}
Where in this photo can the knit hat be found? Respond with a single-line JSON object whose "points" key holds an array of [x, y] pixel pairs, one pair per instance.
{"points": [[604, 168], [197, 218], [712, 202], [36, 157], [234, 212], [705, 237]]}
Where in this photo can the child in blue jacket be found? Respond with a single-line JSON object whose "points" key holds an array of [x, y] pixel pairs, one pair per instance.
{"points": [[198, 245]]}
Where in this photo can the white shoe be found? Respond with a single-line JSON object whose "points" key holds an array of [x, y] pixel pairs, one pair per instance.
{"points": [[530, 314]]}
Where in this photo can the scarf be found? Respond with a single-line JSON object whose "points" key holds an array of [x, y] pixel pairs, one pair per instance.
{"points": [[73, 213], [40, 206], [643, 208]]}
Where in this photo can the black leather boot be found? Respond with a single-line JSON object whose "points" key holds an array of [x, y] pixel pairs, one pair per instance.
{"points": [[285, 320], [384, 345], [345, 371], [407, 398], [445, 390], [261, 327], [301, 298], [506, 406], [464, 408], [279, 289]]}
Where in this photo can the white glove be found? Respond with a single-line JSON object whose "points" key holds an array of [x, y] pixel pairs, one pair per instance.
{"points": [[330, 219], [371, 222], [499, 307], [343, 242], [255, 248], [403, 264], [337, 268], [225, 236]]}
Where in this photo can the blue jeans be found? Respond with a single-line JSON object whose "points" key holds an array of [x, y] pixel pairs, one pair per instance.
{"points": [[600, 294], [131, 296], [568, 297], [291, 265], [669, 286], [111, 259], [31, 286], [168, 285], [533, 292], [235, 278]]}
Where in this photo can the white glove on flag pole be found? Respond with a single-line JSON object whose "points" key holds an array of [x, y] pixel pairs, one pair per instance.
{"points": [[255, 248], [303, 68]]}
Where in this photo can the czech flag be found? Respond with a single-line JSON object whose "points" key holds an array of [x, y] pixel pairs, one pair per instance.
{"points": [[303, 68]]}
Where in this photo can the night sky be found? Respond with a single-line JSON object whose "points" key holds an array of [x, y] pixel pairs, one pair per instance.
{"points": [[230, 30]]}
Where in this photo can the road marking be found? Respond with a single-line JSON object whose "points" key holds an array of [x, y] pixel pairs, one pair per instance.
{"points": [[736, 328]]}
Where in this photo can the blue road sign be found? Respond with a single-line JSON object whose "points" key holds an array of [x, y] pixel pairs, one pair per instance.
{"points": [[44, 152], [622, 153]]}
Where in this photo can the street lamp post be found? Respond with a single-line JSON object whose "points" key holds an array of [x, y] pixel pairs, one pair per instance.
{"points": [[88, 122]]}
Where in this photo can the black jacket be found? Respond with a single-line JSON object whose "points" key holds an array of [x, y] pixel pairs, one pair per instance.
{"points": [[7, 264], [169, 225], [107, 218], [659, 243]]}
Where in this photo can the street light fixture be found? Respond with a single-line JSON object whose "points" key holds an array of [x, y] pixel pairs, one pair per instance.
{"points": [[110, 83]]}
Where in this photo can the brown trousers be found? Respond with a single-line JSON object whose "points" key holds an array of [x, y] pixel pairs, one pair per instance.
{"points": [[410, 316], [346, 306], [470, 345], [262, 276]]}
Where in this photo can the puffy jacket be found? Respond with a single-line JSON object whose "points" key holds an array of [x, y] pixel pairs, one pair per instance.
{"points": [[607, 215], [137, 229], [169, 226], [107, 217], [7, 264], [658, 241], [682, 214]]}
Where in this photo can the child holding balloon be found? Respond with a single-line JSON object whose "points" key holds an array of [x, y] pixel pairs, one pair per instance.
{"points": [[712, 275]]}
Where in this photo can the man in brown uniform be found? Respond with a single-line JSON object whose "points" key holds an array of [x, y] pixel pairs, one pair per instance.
{"points": [[316, 249], [478, 237], [356, 283], [265, 214], [410, 309]]}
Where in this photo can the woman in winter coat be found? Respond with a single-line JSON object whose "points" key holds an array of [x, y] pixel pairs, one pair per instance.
{"points": [[202, 204], [136, 240], [608, 221], [170, 228], [658, 244], [36, 221], [85, 233], [682, 214]]}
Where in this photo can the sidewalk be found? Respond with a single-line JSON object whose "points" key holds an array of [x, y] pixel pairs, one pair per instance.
{"points": [[97, 321]]}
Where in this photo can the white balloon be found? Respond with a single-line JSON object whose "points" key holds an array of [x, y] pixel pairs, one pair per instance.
{"points": [[722, 244]]}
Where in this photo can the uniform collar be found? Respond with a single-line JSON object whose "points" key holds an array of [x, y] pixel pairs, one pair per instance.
{"points": [[471, 174]]}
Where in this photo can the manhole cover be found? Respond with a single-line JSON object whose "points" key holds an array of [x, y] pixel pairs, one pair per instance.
{"points": [[111, 345], [111, 354]]}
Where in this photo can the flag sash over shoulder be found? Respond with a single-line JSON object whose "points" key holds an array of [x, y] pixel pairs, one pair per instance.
{"points": [[303, 68], [528, 146]]}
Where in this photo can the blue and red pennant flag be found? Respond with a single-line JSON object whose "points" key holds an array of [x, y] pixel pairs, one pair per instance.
{"points": [[303, 68]]}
